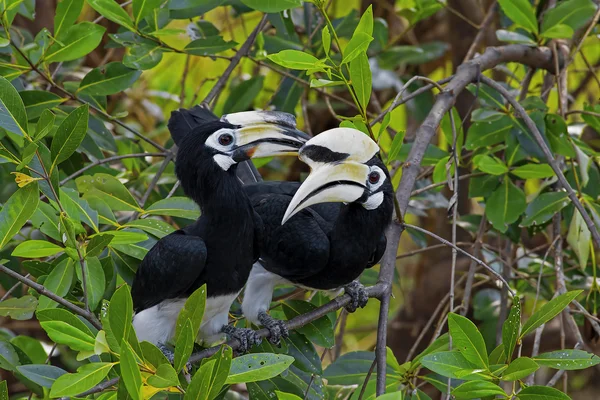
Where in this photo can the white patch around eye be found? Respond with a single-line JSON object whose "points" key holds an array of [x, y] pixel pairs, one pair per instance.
{"points": [[374, 186], [213, 140], [224, 161], [373, 201]]}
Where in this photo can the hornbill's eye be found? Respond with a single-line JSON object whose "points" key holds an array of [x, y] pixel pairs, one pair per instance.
{"points": [[225, 139], [374, 177]]}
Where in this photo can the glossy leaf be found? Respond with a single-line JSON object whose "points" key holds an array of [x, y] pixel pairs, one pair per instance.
{"points": [[181, 207], [468, 340], [97, 244], [63, 333], [326, 39], [66, 15], [208, 46], [490, 165], [184, 345], [59, 282], [360, 75], [78, 41], [572, 13], [548, 311], [130, 372], [511, 328], [156, 227], [43, 375], [533, 171], [319, 331], [109, 79], [477, 389], [69, 135], [96, 281], [505, 205], [521, 12], [36, 101], [272, 6], [451, 364], [18, 308], [488, 133], [199, 388], [110, 190], [357, 45], [36, 249], [164, 377], [544, 207], [13, 117], [568, 359], [193, 310], [110, 10], [257, 367], [519, 369], [243, 95], [86, 377], [294, 59], [541, 392], [120, 313], [579, 237], [143, 8]]}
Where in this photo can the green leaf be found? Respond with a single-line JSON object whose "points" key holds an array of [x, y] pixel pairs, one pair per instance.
{"points": [[438, 345], [319, 331], [200, 385], [59, 282], [326, 40], [110, 190], [579, 239], [130, 372], [468, 340], [193, 310], [109, 79], [156, 227], [44, 125], [257, 367], [452, 364], [272, 6], [558, 32], [3, 390], [31, 347], [505, 205], [59, 314], [548, 311], [490, 165], [95, 282], [13, 117], [9, 359], [16, 211], [357, 45], [533, 171], [43, 375], [110, 10], [412, 55], [66, 15], [28, 154], [521, 12], [143, 56], [514, 37], [569, 359], [558, 136], [243, 95], [184, 345], [69, 135], [543, 208], [63, 333], [86, 377], [143, 8], [511, 328], [221, 368], [488, 133], [182, 207], [97, 244], [365, 25], [286, 396], [541, 393], [360, 75], [120, 313], [477, 389], [77, 42], [572, 13], [164, 377], [18, 308], [36, 101], [519, 369], [127, 237], [294, 59], [396, 146], [36, 249], [208, 46]]}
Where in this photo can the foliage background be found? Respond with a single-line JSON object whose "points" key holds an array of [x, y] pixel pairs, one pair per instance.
{"points": [[158, 71]]}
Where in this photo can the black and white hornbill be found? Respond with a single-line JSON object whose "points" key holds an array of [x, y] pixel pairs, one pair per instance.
{"points": [[220, 247], [324, 233]]}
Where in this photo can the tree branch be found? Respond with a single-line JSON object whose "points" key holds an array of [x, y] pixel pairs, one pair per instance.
{"points": [[45, 292]]}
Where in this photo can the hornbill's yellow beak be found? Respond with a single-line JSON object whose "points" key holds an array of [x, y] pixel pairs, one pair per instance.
{"points": [[337, 160]]}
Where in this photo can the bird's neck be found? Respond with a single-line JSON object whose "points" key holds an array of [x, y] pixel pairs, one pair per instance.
{"points": [[220, 195]]}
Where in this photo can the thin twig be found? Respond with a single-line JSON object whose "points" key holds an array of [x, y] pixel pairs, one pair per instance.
{"points": [[489, 17], [45, 292]]}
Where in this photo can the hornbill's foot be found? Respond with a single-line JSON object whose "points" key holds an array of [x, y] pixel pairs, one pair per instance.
{"points": [[247, 337], [358, 296], [170, 354], [277, 328]]}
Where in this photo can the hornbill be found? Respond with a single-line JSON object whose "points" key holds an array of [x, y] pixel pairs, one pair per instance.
{"points": [[220, 247], [324, 233]]}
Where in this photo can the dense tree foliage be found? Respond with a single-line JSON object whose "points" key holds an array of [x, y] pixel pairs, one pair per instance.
{"points": [[487, 117]]}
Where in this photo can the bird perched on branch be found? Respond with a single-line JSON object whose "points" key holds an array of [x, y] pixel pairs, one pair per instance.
{"points": [[220, 247], [324, 233]]}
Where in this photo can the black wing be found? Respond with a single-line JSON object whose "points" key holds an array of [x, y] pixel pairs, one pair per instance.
{"points": [[379, 250], [168, 270], [298, 249]]}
